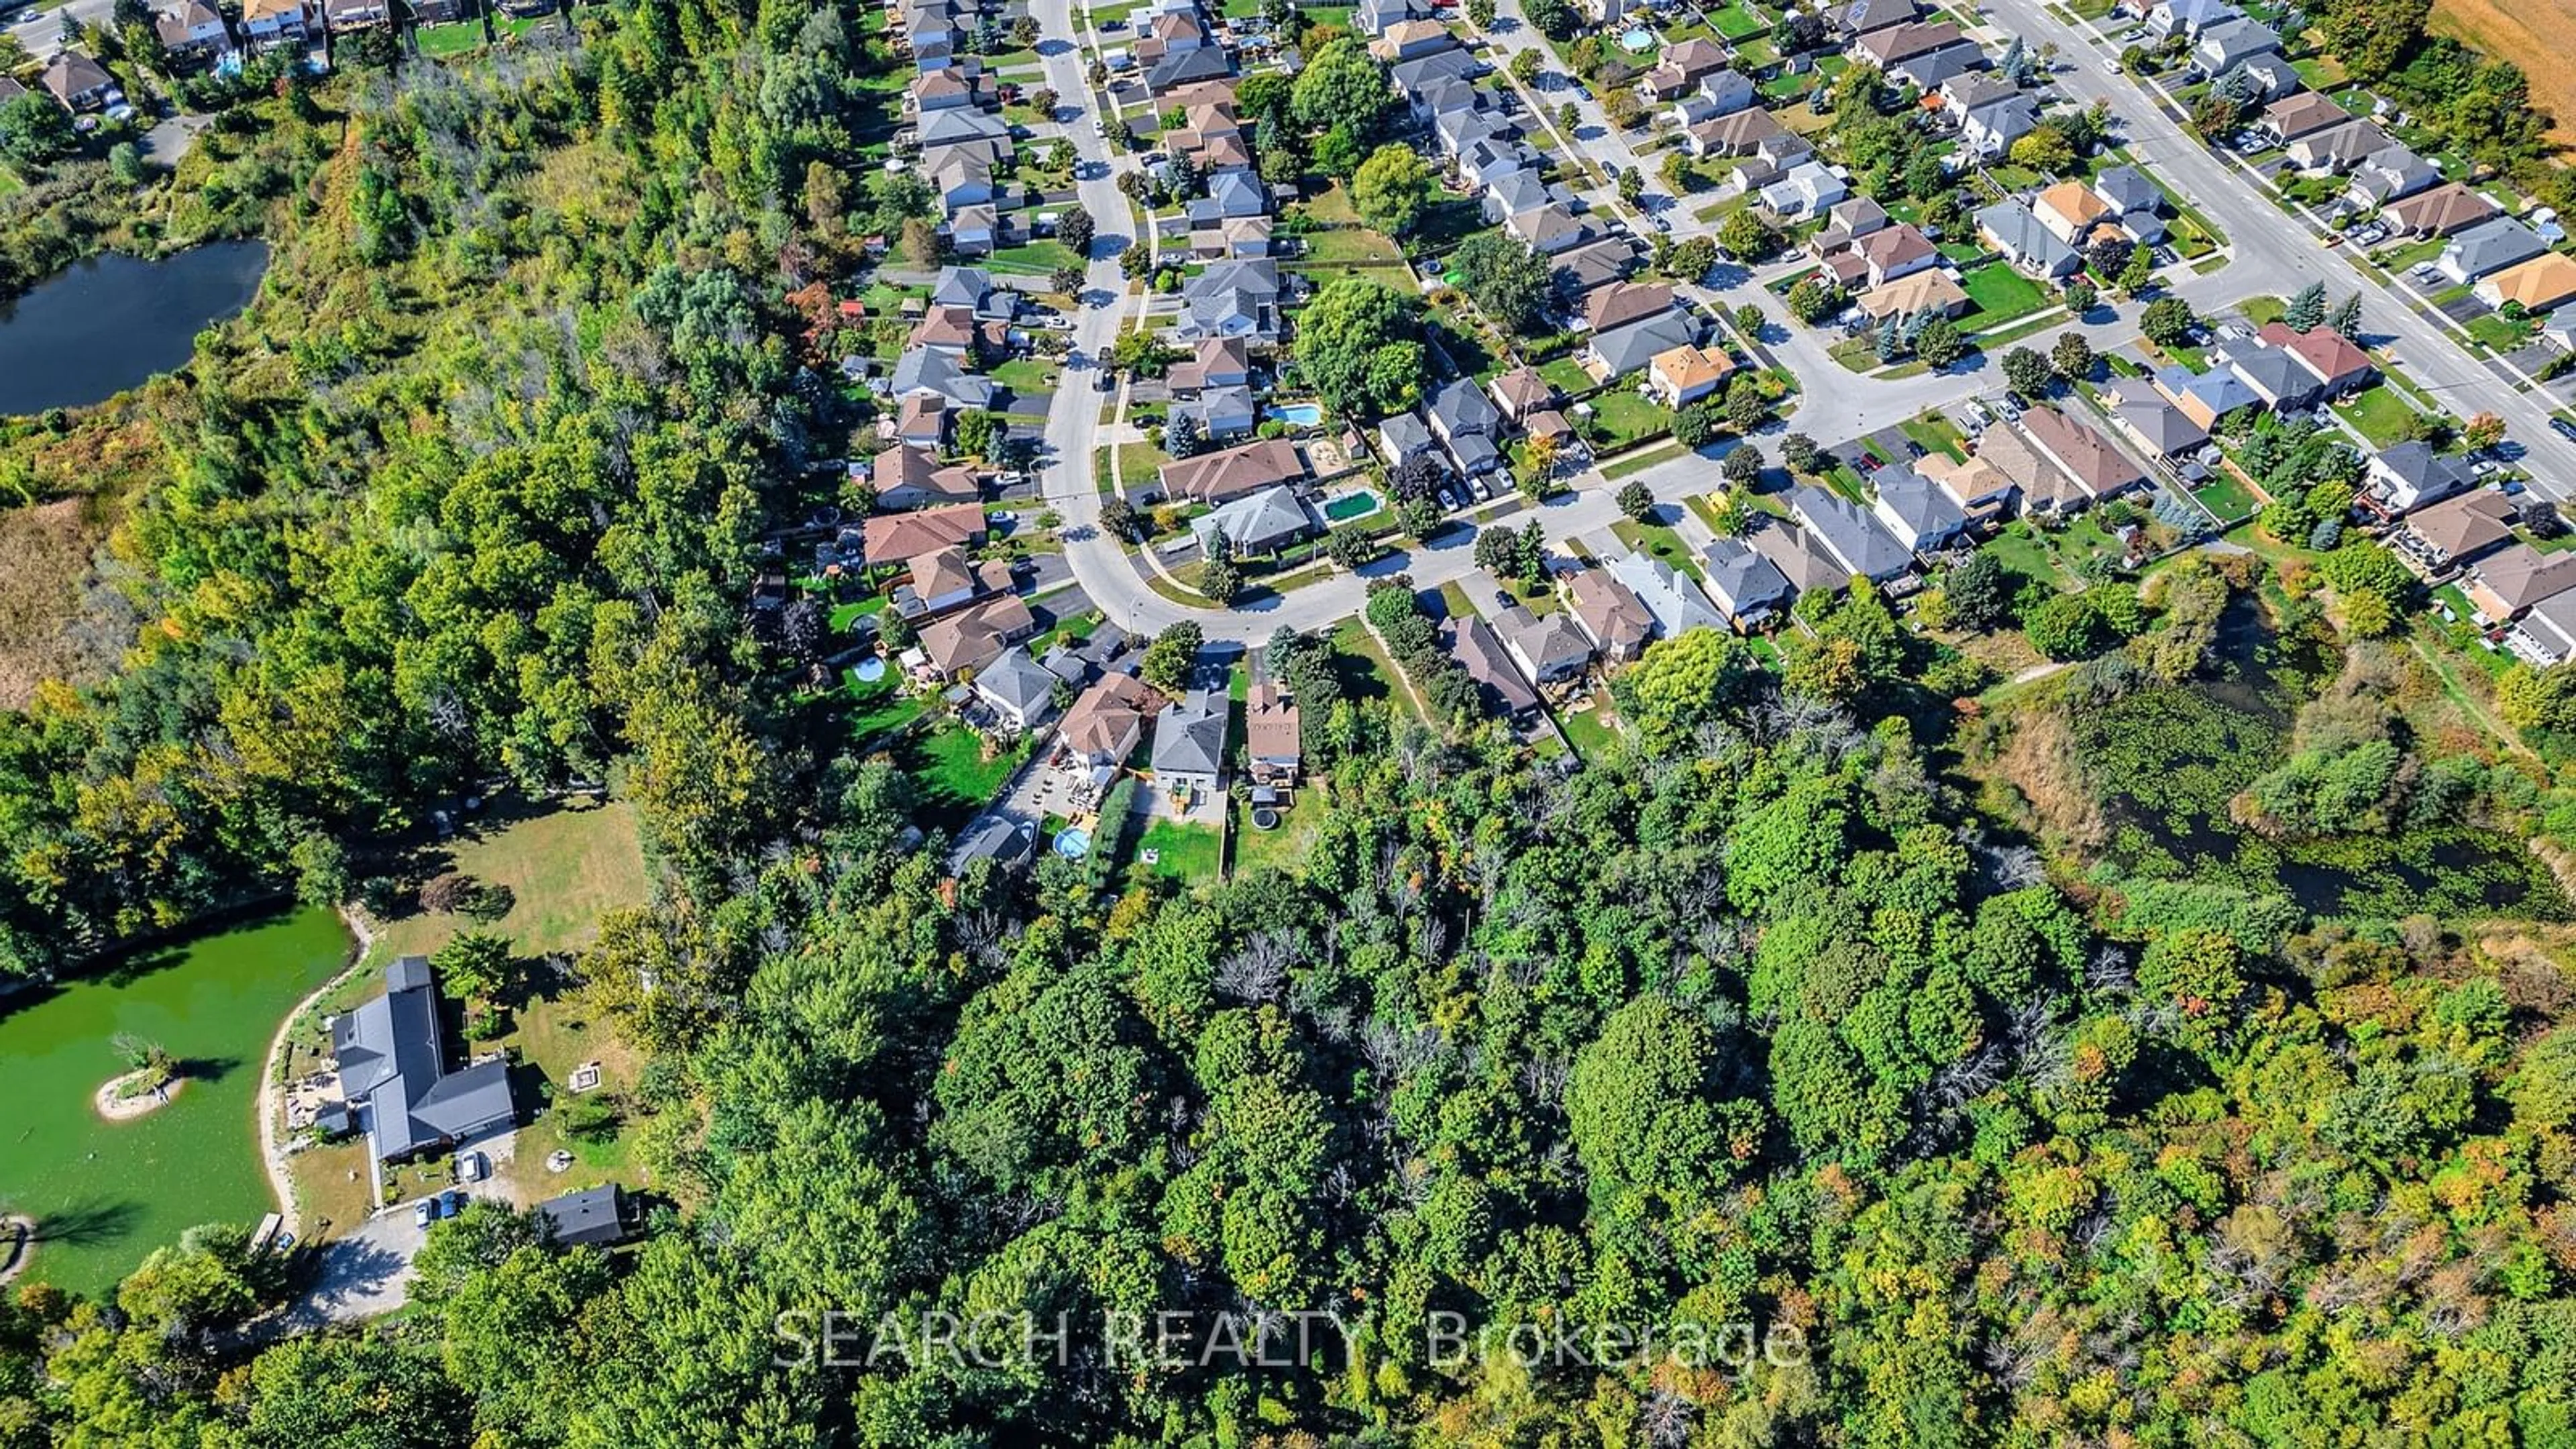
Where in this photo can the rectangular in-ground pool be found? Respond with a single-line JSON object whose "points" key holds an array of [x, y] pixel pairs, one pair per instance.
{"points": [[1350, 505]]}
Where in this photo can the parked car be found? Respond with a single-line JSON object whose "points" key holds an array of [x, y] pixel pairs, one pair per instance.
{"points": [[472, 1167], [451, 1202], [1916, 450], [2563, 428], [424, 1212]]}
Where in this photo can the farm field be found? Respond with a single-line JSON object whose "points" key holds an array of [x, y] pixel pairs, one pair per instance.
{"points": [[2533, 34]]}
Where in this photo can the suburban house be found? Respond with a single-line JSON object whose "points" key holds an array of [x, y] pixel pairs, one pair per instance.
{"points": [[2338, 364], [2406, 476], [2204, 397], [1376, 17], [1612, 617], [1915, 511], [2488, 248], [190, 30], [1687, 373], [1468, 423], [2337, 149], [1106, 724], [907, 477], [1851, 536], [1549, 229], [1719, 93], [1478, 650], [1595, 265], [1222, 413], [973, 637], [2442, 211], [2299, 115], [2085, 455], [1404, 437], [2139, 408], [2545, 281], [1808, 189], [2283, 382], [1861, 17], [1681, 68], [2014, 230], [1621, 303], [344, 16], [1215, 362], [921, 421], [2547, 634], [2457, 530], [2505, 583], [595, 1217], [1407, 39], [1896, 251], [893, 537], [1233, 472], [1976, 486], [1733, 135], [391, 1055], [78, 82], [1621, 351], [2136, 202], [1189, 746], [2045, 489], [1019, 690], [1666, 593], [2168, 18], [2388, 173], [2221, 47], [1521, 392], [1906, 298], [925, 373], [1800, 557], [1257, 523], [271, 22], [1234, 299], [1547, 647], [1889, 46], [945, 578], [1273, 740], [1744, 585], [1991, 128], [2070, 211]]}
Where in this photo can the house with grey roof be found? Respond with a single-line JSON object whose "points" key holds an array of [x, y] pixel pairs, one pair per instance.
{"points": [[2487, 248], [1478, 650], [595, 1217], [1178, 68], [1514, 192], [1991, 127], [1861, 17], [1404, 437], [1257, 523], [2205, 397], [1189, 745], [928, 372], [1222, 413], [1914, 510], [1373, 17], [2406, 476], [1547, 647], [1412, 77], [2276, 377], [2016, 231], [1625, 350], [1018, 689], [1667, 594], [2337, 148], [2126, 188], [1743, 583], [2168, 18], [391, 1055], [1468, 422], [2389, 173], [1549, 229], [1850, 535], [2224, 45], [1231, 299], [2152, 423], [1595, 264]]}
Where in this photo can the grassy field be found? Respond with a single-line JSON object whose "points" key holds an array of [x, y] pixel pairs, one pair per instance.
{"points": [[2000, 294], [1622, 419], [563, 865], [2380, 414], [2533, 33], [1185, 853], [48, 548], [1285, 847], [1593, 732], [1657, 539], [952, 774]]}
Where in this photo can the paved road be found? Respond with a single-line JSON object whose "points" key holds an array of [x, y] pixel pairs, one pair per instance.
{"points": [[43, 34]]}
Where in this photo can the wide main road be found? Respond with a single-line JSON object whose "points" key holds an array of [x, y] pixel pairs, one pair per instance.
{"points": [[2277, 253]]}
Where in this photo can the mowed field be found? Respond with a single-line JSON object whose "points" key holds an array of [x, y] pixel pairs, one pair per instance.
{"points": [[2538, 35]]}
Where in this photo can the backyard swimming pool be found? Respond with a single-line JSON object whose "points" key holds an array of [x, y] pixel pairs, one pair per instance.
{"points": [[1304, 415], [1639, 40], [1073, 842], [1350, 505]]}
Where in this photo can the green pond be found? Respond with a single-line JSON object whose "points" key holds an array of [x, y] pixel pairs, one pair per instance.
{"points": [[105, 1194]]}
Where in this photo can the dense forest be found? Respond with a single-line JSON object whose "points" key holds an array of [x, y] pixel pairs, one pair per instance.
{"points": [[2173, 1054]]}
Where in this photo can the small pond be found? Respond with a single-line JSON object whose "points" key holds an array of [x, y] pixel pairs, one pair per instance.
{"points": [[107, 324]]}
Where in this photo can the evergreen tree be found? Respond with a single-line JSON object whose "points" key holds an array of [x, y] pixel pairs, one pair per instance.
{"points": [[2307, 309]]}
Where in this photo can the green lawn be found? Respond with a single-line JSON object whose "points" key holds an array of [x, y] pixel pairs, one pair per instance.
{"points": [[2225, 497], [1622, 419], [1566, 375], [1285, 847], [880, 705], [951, 772], [1184, 853], [438, 41], [2382, 416], [1034, 259], [1140, 464], [1348, 245], [1657, 539], [1736, 22], [1593, 732], [2000, 294], [1025, 375], [2499, 332], [562, 866], [1938, 434]]}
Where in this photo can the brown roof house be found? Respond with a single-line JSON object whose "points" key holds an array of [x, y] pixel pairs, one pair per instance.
{"points": [[2088, 457], [1233, 472], [2508, 582], [892, 536], [1621, 303], [1895, 252], [2045, 488], [1521, 392], [78, 82], [2438, 212], [1615, 619], [1929, 290], [2458, 529], [906, 477], [973, 637], [2338, 364], [1107, 722], [1273, 742]]}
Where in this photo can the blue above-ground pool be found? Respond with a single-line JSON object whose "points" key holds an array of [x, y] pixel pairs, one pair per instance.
{"points": [[869, 671], [1304, 415], [1073, 842], [1639, 40]]}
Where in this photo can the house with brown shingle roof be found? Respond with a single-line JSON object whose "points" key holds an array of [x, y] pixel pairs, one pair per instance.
{"points": [[975, 636], [889, 537], [1897, 251], [2303, 114], [1108, 721], [1621, 303], [2438, 212], [1273, 740], [1521, 392], [1615, 618], [1216, 362], [2088, 457], [905, 477], [2338, 364], [2459, 529], [921, 420], [2045, 488], [1233, 472], [1736, 135], [2510, 581], [1929, 290]]}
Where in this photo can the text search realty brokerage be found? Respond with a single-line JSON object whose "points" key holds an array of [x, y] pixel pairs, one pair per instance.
{"points": [[1181, 1340]]}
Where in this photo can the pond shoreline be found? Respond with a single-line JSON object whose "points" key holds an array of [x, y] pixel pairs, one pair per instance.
{"points": [[111, 322], [271, 1105]]}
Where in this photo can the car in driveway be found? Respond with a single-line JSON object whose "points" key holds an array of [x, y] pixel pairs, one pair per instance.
{"points": [[424, 1212], [451, 1202]]}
